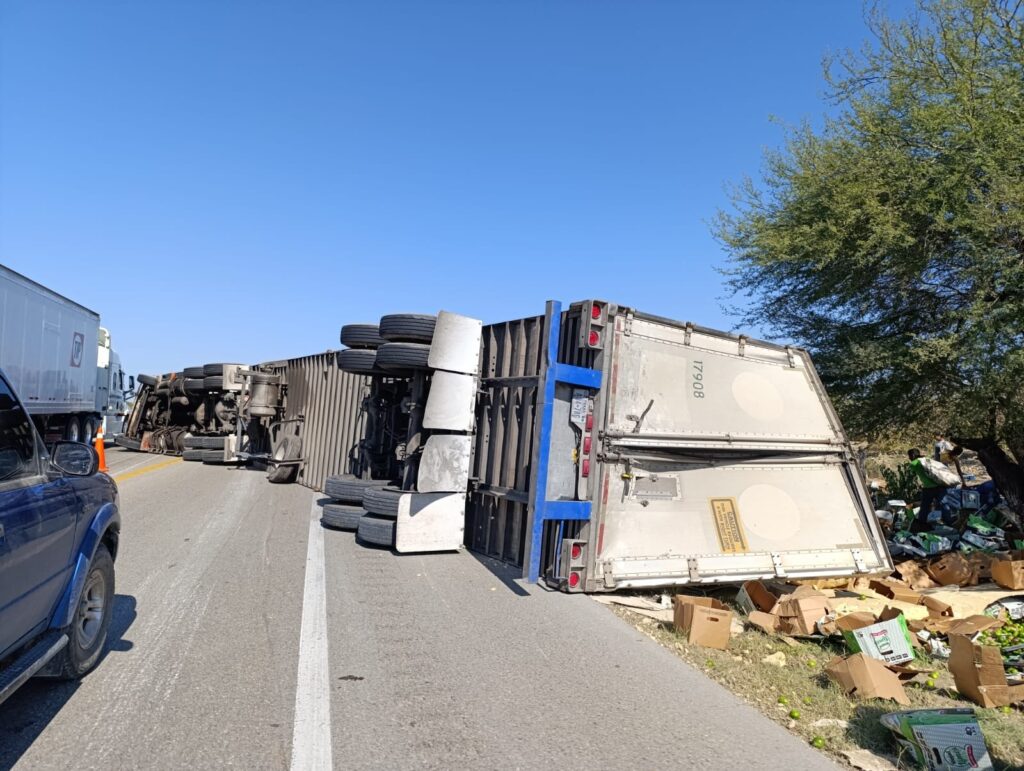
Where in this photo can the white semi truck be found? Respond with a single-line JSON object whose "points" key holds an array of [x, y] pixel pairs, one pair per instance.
{"points": [[60, 361]]}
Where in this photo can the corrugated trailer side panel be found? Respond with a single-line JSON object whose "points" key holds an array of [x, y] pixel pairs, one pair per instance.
{"points": [[330, 404]]}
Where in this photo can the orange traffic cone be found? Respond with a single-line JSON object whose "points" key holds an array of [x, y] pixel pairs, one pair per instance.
{"points": [[100, 452]]}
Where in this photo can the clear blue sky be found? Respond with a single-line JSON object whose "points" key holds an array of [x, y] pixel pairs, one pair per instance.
{"points": [[235, 180]]}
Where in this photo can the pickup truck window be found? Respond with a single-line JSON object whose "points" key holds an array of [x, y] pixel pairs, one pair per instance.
{"points": [[18, 456]]}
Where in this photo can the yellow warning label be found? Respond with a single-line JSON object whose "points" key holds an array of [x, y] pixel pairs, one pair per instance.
{"points": [[730, 529]]}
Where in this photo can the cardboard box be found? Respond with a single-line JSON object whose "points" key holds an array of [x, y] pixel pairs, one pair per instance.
{"points": [[884, 637], [979, 675], [704, 620], [937, 608], [754, 596], [951, 568], [800, 612], [866, 678], [895, 590], [914, 575], [1009, 573], [981, 564], [768, 623], [941, 739]]}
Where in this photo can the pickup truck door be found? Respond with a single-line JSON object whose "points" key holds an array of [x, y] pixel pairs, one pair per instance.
{"points": [[38, 519]]}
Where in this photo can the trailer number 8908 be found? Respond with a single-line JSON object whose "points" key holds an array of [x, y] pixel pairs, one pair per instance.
{"points": [[697, 382]]}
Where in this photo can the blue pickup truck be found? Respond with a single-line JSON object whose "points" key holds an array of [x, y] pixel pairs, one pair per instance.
{"points": [[59, 527]]}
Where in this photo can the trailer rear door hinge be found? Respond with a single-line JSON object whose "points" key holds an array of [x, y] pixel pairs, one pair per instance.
{"points": [[628, 325], [687, 333], [742, 345], [791, 357], [780, 570], [858, 560], [691, 566]]}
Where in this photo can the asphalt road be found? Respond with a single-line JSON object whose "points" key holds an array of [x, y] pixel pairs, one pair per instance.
{"points": [[434, 661]]}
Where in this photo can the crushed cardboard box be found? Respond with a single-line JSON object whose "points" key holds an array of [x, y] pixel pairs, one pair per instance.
{"points": [[895, 590], [704, 620], [1009, 573], [914, 575], [979, 674], [797, 614], [941, 739], [885, 637], [951, 568], [867, 678]]}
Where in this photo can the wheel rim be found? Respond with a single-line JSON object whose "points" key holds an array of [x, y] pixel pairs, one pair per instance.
{"points": [[74, 431], [91, 607]]}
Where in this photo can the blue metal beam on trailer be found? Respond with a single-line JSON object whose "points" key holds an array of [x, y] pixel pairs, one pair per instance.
{"points": [[578, 376], [542, 510]]}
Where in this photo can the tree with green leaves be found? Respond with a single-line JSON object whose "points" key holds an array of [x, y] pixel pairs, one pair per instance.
{"points": [[891, 242]]}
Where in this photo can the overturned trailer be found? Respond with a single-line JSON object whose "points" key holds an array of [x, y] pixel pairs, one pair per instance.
{"points": [[596, 447], [610, 448]]}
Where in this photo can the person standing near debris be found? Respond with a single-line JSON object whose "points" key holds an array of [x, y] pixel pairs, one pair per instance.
{"points": [[942, 447], [932, 490]]}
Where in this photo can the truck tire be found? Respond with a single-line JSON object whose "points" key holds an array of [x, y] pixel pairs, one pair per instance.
{"points": [[146, 380], [349, 489], [361, 336], [213, 382], [191, 454], [378, 531], [214, 369], [87, 635], [213, 456], [195, 384], [289, 448], [194, 372], [89, 427], [407, 327], [360, 361], [402, 356], [341, 517], [382, 501], [205, 442], [73, 429]]}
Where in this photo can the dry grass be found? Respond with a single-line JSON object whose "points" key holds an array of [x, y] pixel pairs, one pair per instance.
{"points": [[808, 689]]}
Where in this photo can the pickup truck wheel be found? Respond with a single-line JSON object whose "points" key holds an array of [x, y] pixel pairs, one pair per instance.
{"points": [[403, 356], [87, 634], [73, 429], [341, 517], [379, 531], [348, 489], [382, 501], [361, 336], [408, 327]]}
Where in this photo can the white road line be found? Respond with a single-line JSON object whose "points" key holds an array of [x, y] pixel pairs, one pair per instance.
{"points": [[311, 733]]}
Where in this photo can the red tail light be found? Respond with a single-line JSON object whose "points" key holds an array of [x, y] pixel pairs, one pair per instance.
{"points": [[587, 441], [576, 551], [595, 337], [590, 421], [574, 580], [595, 311], [586, 467]]}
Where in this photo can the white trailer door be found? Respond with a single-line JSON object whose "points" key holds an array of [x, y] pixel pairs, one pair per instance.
{"points": [[723, 460]]}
